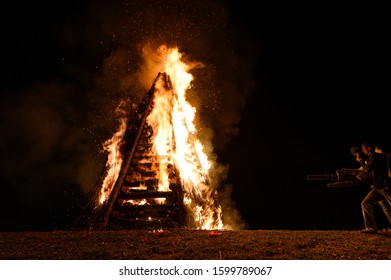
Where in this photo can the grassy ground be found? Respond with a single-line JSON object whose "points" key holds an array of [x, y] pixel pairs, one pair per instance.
{"points": [[182, 244]]}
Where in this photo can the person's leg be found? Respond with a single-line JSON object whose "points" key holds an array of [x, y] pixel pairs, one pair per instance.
{"points": [[386, 204], [386, 209], [386, 193], [367, 204]]}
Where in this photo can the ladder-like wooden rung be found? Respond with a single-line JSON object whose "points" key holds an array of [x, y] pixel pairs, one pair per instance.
{"points": [[148, 207], [140, 194], [140, 173], [146, 183]]}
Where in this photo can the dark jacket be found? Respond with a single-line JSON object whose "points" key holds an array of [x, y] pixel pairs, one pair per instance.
{"points": [[377, 169]]}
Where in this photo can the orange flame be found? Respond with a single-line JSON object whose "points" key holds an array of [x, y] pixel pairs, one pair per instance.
{"points": [[114, 159], [175, 142]]}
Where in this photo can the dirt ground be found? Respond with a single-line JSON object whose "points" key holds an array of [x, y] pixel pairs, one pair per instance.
{"points": [[182, 244]]}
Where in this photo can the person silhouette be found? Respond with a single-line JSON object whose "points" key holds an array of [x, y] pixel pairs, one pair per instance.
{"points": [[376, 172]]}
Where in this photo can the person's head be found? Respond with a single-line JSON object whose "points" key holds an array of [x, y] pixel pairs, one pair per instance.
{"points": [[367, 148], [357, 153], [378, 149], [354, 150], [382, 147]]}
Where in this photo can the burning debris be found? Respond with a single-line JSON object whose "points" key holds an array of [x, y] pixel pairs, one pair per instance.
{"points": [[157, 173]]}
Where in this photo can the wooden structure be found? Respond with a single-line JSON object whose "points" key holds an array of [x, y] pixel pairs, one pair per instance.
{"points": [[133, 200]]}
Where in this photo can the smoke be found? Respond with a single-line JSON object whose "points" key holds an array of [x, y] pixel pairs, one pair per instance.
{"points": [[43, 145], [55, 129]]}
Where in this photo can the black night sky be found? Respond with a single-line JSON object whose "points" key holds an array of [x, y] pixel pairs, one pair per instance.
{"points": [[287, 91]]}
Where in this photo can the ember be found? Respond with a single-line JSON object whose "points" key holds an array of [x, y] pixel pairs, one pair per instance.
{"points": [[158, 174]]}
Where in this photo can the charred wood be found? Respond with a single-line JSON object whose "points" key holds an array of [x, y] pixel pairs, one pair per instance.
{"points": [[143, 166], [141, 173], [144, 148], [139, 194], [146, 207], [141, 156], [147, 183]]}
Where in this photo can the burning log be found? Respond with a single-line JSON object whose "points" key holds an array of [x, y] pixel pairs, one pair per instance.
{"points": [[132, 208], [139, 194], [146, 173], [138, 216], [140, 155], [144, 147], [144, 166], [140, 175], [147, 183]]}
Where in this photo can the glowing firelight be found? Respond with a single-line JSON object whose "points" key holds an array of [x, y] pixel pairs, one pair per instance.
{"points": [[114, 159], [175, 142]]}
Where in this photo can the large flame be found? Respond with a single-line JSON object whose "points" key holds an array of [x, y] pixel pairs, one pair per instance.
{"points": [[176, 142], [114, 159]]}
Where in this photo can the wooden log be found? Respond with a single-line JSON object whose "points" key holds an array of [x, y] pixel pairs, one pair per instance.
{"points": [[140, 177], [127, 189], [147, 212], [141, 155], [142, 166], [147, 183], [145, 221], [144, 141], [140, 173], [144, 147], [145, 208], [140, 194]]}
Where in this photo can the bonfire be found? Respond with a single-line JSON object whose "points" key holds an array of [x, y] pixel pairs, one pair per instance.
{"points": [[157, 167]]}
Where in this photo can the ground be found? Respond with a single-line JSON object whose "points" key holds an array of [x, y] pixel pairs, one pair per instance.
{"points": [[182, 244]]}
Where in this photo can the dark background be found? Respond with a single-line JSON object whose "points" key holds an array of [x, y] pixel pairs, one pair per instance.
{"points": [[290, 89]]}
